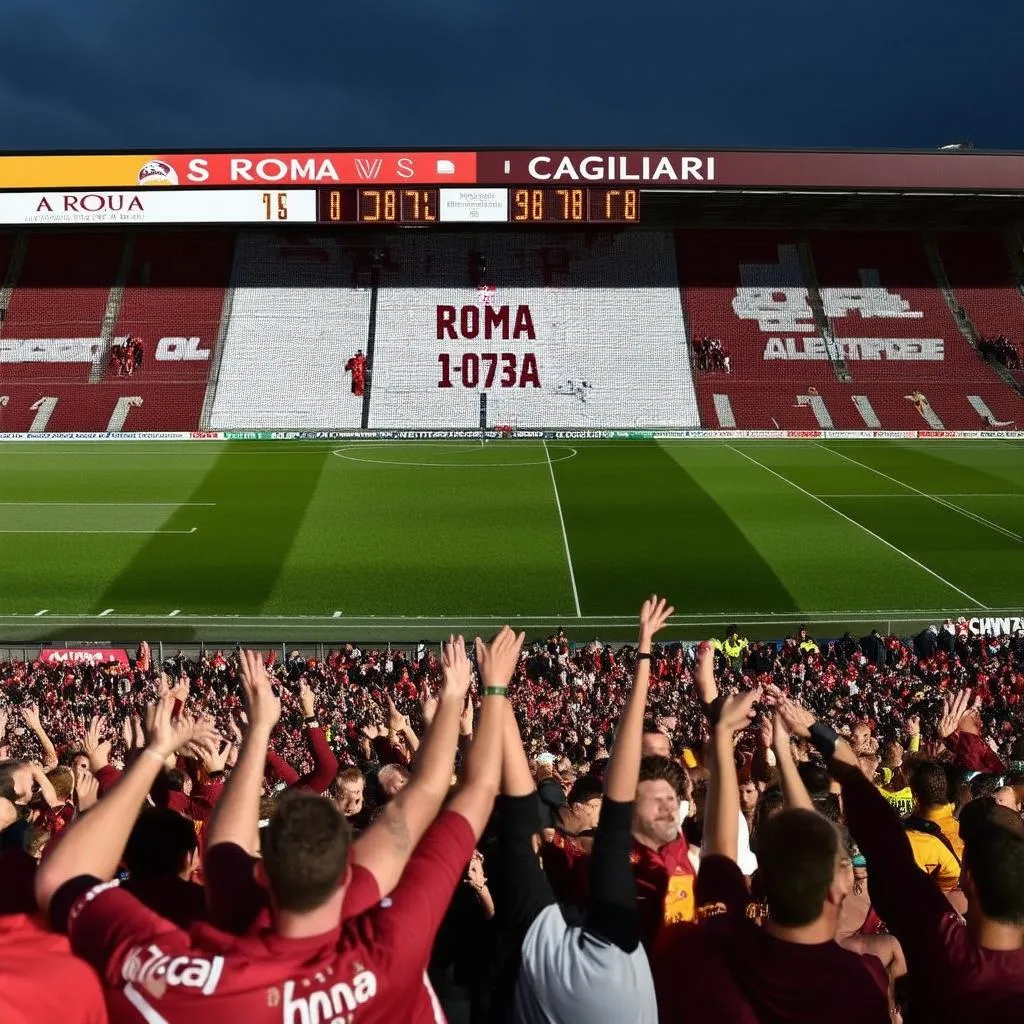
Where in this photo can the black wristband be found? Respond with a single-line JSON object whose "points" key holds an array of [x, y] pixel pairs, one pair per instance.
{"points": [[643, 657], [824, 739]]}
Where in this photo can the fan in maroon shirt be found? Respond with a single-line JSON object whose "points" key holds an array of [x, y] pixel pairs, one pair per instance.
{"points": [[958, 972], [310, 967], [791, 970]]}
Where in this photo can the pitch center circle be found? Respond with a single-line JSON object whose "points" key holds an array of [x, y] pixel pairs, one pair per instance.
{"points": [[466, 451]]}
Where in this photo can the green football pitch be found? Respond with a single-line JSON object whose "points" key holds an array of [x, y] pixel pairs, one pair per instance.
{"points": [[330, 541]]}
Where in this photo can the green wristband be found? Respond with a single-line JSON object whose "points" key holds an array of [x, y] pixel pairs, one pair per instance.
{"points": [[494, 691]]}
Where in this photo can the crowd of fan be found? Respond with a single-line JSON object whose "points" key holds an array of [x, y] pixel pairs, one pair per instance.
{"points": [[712, 356], [1001, 350], [356, 839]]}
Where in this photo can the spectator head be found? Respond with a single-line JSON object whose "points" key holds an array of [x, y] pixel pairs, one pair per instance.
{"points": [[656, 812], [748, 796], [815, 777], [654, 742], [16, 782], [860, 738], [732, 632], [393, 778], [805, 869], [348, 791], [584, 801], [930, 785], [79, 759], [1006, 796], [993, 873], [305, 851], [178, 781], [985, 784], [891, 752], [63, 781], [162, 844]]}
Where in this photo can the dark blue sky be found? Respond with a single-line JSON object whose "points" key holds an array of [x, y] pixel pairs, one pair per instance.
{"points": [[434, 73]]}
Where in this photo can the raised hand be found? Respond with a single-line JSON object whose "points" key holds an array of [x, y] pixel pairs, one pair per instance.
{"points": [[767, 731], [3, 722], [95, 746], [738, 711], [498, 660], [306, 700], [168, 735], [954, 708], [704, 673], [30, 716], [397, 722], [428, 703], [654, 615], [913, 725], [87, 789], [458, 673], [181, 690], [263, 704], [795, 718], [466, 720]]}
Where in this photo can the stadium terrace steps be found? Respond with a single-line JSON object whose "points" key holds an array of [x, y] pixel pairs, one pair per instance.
{"points": [[884, 307], [540, 329], [556, 329], [173, 289], [298, 313]]}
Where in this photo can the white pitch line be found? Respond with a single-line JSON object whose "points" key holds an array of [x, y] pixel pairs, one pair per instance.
{"points": [[177, 611], [39, 614], [980, 520], [105, 612], [565, 536], [149, 533], [849, 519]]}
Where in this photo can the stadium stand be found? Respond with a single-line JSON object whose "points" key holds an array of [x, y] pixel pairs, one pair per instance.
{"points": [[299, 310], [821, 320], [592, 320], [73, 299], [617, 329]]}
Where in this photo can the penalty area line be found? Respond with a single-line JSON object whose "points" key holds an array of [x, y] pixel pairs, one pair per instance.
{"points": [[861, 526]]}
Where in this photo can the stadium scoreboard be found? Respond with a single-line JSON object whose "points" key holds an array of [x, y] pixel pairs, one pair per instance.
{"points": [[460, 187], [380, 205]]}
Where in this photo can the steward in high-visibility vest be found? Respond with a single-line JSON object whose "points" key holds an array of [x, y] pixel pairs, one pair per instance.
{"points": [[733, 647]]}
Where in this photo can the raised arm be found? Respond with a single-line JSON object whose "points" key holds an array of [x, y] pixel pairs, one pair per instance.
{"points": [[94, 844], [722, 809], [235, 818], [30, 713], [624, 765], [385, 847], [482, 776], [794, 792], [612, 912]]}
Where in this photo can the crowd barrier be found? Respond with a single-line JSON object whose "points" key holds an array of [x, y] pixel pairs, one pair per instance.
{"points": [[524, 435]]}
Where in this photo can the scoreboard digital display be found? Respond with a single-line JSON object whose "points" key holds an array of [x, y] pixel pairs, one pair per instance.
{"points": [[347, 204]]}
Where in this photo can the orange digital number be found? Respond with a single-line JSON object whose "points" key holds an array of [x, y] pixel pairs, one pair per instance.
{"points": [[373, 195], [529, 204], [572, 203], [629, 207], [334, 205]]}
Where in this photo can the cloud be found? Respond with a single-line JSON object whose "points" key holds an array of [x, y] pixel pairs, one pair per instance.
{"points": [[425, 73]]}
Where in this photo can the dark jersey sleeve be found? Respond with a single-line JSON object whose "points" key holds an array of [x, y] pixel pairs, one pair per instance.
{"points": [[612, 909]]}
